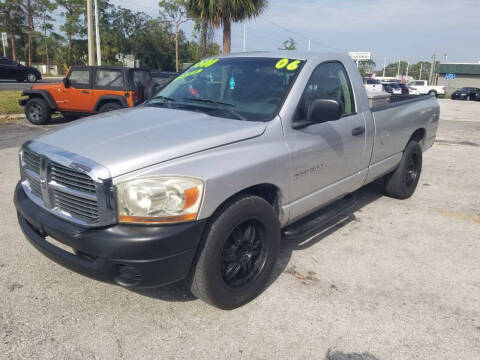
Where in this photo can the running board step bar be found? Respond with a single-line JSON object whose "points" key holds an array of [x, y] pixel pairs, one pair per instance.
{"points": [[313, 223]]}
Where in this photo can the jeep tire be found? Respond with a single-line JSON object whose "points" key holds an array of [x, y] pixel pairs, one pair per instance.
{"points": [[37, 111], [110, 106]]}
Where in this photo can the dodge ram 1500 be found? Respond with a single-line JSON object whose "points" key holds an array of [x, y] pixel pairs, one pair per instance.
{"points": [[200, 182]]}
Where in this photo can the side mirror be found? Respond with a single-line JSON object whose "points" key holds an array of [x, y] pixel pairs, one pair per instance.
{"points": [[325, 109], [66, 82]]}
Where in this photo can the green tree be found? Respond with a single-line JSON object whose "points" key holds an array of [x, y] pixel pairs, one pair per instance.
{"points": [[74, 12], [12, 21], [289, 44], [176, 11], [44, 10], [223, 13]]}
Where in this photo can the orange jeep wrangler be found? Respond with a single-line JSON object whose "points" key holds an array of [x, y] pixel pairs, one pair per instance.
{"points": [[88, 90]]}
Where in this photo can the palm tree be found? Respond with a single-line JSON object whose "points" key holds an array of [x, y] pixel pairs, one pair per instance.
{"points": [[223, 12]]}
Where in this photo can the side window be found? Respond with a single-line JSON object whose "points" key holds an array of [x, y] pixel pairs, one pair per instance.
{"points": [[141, 78], [328, 80], [109, 79], [80, 78]]}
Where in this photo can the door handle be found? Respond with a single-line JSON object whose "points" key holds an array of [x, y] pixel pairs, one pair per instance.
{"points": [[85, 92], [358, 130]]}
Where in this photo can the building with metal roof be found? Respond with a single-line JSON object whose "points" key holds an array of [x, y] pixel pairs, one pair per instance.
{"points": [[457, 75]]}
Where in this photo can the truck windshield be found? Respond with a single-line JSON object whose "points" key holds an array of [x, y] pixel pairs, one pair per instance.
{"points": [[243, 88]]}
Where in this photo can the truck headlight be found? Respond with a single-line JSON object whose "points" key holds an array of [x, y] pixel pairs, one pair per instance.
{"points": [[157, 200]]}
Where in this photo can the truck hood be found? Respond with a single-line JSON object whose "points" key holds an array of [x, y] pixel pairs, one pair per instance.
{"points": [[131, 139]]}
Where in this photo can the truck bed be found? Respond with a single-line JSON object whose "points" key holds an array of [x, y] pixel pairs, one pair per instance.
{"points": [[396, 122]]}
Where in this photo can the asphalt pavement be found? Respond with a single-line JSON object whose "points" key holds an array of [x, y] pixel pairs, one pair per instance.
{"points": [[392, 280], [14, 85]]}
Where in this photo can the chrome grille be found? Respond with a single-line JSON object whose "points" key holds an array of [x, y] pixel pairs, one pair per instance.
{"points": [[34, 184], [32, 161], [72, 179], [77, 206], [67, 185]]}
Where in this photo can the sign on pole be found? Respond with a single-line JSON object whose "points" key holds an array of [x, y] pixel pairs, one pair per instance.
{"points": [[450, 76], [360, 55], [4, 42]]}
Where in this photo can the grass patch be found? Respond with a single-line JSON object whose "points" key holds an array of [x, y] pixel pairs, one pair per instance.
{"points": [[9, 102]]}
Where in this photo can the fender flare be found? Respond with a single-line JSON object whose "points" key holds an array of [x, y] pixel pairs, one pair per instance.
{"points": [[45, 95], [108, 98]]}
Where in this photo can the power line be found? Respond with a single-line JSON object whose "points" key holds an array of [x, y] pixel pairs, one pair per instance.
{"points": [[303, 36]]}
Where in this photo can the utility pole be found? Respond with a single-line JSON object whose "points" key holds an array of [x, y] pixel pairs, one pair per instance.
{"points": [[430, 78], [384, 66], [406, 75], [91, 50], [421, 68], [446, 57], [97, 35], [308, 45], [244, 38], [398, 71]]}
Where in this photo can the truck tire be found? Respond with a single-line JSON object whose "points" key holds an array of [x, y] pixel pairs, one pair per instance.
{"points": [[402, 182], [241, 245], [433, 92], [37, 111], [110, 106]]}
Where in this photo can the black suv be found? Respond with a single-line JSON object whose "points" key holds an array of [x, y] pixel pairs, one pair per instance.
{"points": [[11, 70]]}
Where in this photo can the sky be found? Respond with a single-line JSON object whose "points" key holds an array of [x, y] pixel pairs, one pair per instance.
{"points": [[410, 30]]}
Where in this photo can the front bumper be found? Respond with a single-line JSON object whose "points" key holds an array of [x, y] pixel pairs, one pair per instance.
{"points": [[127, 255]]}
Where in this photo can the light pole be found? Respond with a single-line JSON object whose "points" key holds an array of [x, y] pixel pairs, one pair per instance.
{"points": [[430, 78], [97, 35], [91, 51], [244, 47]]}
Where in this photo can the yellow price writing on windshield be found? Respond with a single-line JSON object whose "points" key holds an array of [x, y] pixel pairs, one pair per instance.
{"points": [[291, 66], [205, 63]]}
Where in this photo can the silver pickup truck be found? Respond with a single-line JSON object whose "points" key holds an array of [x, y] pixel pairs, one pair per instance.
{"points": [[200, 182]]}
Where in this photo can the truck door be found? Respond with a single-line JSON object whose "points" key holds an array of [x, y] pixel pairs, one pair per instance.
{"points": [[327, 159], [78, 95]]}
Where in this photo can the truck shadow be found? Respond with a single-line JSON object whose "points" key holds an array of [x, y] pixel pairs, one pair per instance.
{"points": [[177, 292], [362, 197]]}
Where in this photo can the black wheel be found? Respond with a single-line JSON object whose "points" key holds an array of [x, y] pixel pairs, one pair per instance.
{"points": [[468, 98], [241, 247], [20, 80], [37, 111], [111, 106], [31, 77], [433, 92], [402, 182]]}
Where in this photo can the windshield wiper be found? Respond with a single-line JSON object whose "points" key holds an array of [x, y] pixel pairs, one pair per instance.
{"points": [[209, 101], [164, 98], [223, 107]]}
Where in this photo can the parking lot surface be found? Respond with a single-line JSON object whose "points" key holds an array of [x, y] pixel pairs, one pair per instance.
{"points": [[393, 279]]}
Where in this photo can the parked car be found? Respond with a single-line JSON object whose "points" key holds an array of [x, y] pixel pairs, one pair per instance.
{"points": [[466, 93], [421, 87], [373, 85], [200, 182], [11, 70], [404, 88], [88, 90], [392, 88], [162, 78]]}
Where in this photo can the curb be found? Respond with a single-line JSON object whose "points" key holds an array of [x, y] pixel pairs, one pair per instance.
{"points": [[12, 116]]}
